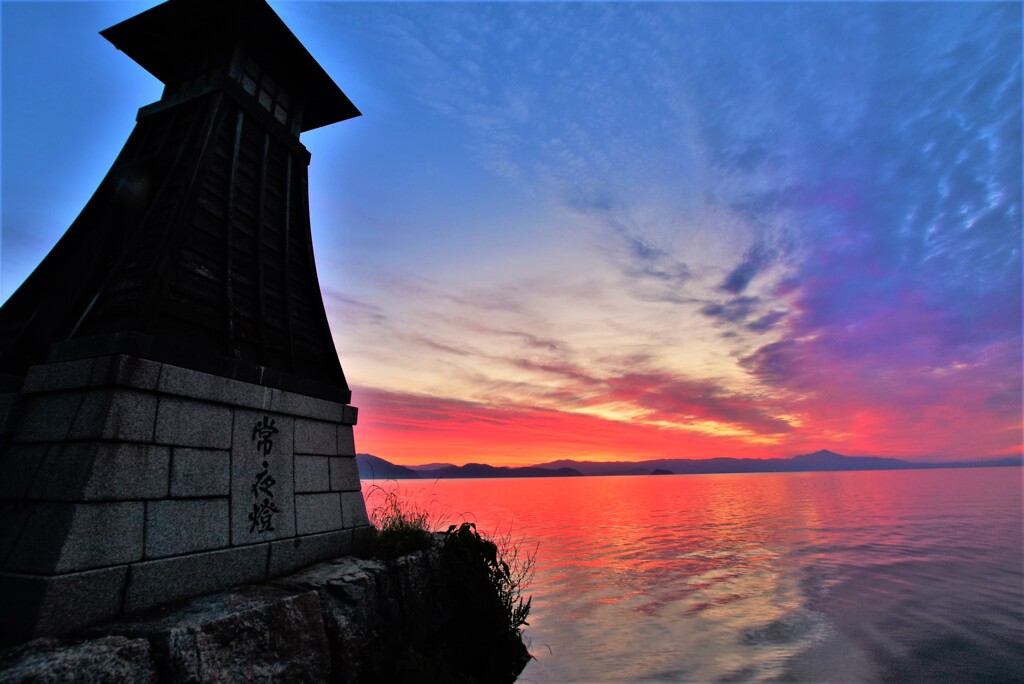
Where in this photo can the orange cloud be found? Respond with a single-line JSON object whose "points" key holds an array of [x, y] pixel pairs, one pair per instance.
{"points": [[411, 429]]}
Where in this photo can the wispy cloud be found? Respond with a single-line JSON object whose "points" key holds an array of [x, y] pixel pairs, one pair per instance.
{"points": [[674, 228], [736, 310], [755, 260], [808, 216], [416, 428]]}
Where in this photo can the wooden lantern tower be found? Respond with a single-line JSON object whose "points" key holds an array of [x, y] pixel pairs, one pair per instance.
{"points": [[174, 416]]}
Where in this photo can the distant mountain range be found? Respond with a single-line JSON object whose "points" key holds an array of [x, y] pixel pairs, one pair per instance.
{"points": [[373, 467], [376, 468], [823, 460]]}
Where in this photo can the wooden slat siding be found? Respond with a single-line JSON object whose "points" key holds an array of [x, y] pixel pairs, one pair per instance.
{"points": [[285, 253], [244, 251], [196, 300], [229, 346], [108, 302], [323, 357], [123, 297], [197, 184], [272, 255], [116, 301], [211, 259], [201, 334], [261, 240]]}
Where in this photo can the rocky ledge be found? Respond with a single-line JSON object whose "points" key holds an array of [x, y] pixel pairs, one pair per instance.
{"points": [[422, 617]]}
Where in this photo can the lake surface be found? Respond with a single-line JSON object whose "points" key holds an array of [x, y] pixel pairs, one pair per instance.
{"points": [[856, 576]]}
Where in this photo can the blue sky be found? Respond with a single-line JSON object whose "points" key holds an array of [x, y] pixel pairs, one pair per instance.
{"points": [[602, 230]]}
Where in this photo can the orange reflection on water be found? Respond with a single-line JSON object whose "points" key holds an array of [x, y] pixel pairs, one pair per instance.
{"points": [[694, 554], [721, 576]]}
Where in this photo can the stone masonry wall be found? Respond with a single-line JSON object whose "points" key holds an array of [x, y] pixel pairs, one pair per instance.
{"points": [[344, 620], [128, 483]]}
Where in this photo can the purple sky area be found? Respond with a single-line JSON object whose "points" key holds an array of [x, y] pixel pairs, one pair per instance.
{"points": [[671, 229]]}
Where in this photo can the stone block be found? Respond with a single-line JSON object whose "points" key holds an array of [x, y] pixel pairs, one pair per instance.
{"points": [[193, 384], [15, 515], [305, 407], [126, 371], [312, 474], [262, 477], [36, 605], [289, 555], [180, 526], [110, 659], [47, 417], [19, 465], [119, 414], [317, 513], [161, 581], [184, 382], [65, 537], [252, 634], [106, 371], [350, 416], [102, 471], [353, 509], [62, 375], [346, 441], [200, 472], [8, 401], [185, 422], [315, 437], [344, 474]]}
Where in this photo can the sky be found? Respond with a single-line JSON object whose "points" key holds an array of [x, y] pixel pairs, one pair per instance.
{"points": [[620, 231]]}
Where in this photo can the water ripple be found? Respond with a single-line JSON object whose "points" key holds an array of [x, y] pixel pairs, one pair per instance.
{"points": [[897, 576]]}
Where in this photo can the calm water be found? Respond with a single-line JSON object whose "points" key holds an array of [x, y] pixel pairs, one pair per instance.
{"points": [[867, 576]]}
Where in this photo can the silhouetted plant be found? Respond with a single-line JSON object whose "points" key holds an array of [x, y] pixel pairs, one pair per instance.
{"points": [[482, 584], [509, 570]]}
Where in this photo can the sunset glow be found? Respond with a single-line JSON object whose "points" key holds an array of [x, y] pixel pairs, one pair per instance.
{"points": [[607, 231]]}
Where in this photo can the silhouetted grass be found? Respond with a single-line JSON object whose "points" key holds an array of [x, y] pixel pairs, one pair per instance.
{"points": [[399, 526]]}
